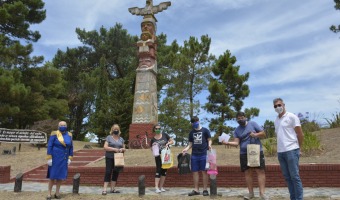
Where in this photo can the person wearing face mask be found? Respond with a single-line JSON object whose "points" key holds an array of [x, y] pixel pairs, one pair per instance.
{"points": [[59, 156], [289, 141], [249, 132], [113, 144], [200, 142], [163, 140]]}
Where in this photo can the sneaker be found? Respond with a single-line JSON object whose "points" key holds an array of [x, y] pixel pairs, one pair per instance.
{"points": [[264, 197], [205, 193], [248, 196], [163, 190], [192, 193], [158, 190]]}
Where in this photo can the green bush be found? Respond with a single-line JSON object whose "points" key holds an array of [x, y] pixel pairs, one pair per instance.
{"points": [[311, 144], [309, 126], [335, 122], [270, 147]]}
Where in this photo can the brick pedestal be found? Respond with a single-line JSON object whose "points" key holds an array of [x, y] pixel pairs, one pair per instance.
{"points": [[140, 129]]}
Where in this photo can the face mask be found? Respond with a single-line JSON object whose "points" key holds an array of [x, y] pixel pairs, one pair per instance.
{"points": [[157, 131], [62, 128], [195, 125], [279, 109], [116, 132], [242, 122]]}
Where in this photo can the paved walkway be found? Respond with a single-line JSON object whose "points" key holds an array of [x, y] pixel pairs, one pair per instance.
{"points": [[332, 193]]}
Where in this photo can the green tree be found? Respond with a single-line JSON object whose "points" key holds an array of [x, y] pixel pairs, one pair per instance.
{"points": [[41, 97], [269, 128], [79, 85], [13, 93], [46, 99], [15, 20], [173, 119], [190, 71], [93, 102], [227, 90], [184, 75], [334, 28]]}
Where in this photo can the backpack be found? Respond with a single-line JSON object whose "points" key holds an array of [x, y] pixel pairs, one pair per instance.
{"points": [[183, 163]]}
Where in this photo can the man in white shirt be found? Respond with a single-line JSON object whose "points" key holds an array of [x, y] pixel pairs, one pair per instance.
{"points": [[289, 141]]}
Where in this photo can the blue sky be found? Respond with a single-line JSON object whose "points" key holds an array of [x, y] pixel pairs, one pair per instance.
{"points": [[286, 46]]}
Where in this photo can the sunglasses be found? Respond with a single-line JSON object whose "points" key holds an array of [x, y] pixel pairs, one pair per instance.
{"points": [[277, 105], [157, 128]]}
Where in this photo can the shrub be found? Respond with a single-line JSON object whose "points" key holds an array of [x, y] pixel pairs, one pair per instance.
{"points": [[311, 144], [270, 147], [309, 126], [335, 122]]}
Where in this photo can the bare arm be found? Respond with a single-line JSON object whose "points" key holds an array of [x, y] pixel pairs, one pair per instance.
{"points": [[299, 134], [235, 142], [209, 143], [170, 142], [107, 148], [187, 148], [260, 134]]}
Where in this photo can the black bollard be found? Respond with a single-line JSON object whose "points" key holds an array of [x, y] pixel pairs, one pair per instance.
{"points": [[76, 183], [213, 185], [141, 185], [18, 182]]}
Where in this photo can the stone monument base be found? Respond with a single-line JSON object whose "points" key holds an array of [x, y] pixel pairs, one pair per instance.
{"points": [[140, 129]]}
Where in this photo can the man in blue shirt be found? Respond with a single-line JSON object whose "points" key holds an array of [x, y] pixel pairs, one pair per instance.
{"points": [[200, 142], [249, 132]]}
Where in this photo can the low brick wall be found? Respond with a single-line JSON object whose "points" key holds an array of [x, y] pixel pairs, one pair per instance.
{"points": [[312, 175], [5, 172]]}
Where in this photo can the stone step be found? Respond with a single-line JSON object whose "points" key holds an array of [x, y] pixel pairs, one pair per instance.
{"points": [[80, 158], [86, 158], [36, 176]]}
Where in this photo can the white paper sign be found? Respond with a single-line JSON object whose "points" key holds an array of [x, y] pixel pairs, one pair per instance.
{"points": [[224, 137]]}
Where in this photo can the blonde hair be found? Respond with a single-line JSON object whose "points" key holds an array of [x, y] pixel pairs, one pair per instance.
{"points": [[115, 126]]}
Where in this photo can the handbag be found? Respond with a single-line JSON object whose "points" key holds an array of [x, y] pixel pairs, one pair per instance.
{"points": [[253, 154], [183, 163], [211, 160], [168, 165], [155, 149], [166, 156], [119, 159]]}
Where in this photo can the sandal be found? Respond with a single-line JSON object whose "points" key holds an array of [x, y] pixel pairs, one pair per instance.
{"points": [[57, 196], [205, 193], [192, 193], [114, 191], [48, 198], [104, 193]]}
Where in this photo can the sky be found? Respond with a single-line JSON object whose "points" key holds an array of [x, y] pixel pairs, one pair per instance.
{"points": [[286, 46]]}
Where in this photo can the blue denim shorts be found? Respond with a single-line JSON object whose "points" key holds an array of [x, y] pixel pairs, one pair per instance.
{"points": [[198, 163]]}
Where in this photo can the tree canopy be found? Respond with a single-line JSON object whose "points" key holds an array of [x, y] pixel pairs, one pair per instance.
{"points": [[15, 20], [336, 28], [227, 90]]}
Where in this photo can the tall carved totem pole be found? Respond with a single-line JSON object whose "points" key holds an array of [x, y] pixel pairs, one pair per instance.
{"points": [[145, 112]]}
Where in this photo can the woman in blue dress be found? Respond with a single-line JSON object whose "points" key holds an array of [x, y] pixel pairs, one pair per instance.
{"points": [[59, 155]]}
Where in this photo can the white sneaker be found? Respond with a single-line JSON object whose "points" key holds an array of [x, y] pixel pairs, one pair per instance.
{"points": [[163, 190], [248, 196], [158, 190]]}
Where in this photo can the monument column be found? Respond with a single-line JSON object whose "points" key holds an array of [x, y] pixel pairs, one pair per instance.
{"points": [[145, 112]]}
